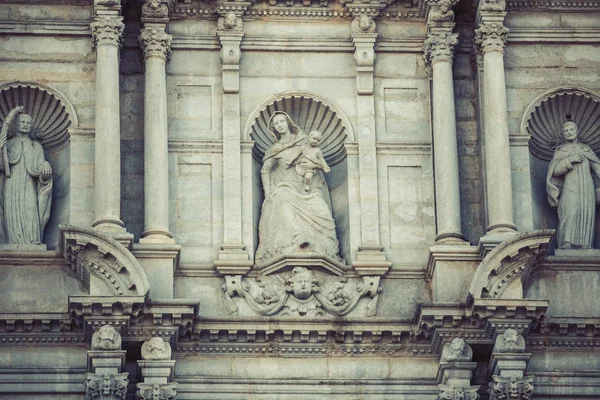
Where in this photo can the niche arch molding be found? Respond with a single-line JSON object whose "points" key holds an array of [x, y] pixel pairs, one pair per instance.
{"points": [[90, 253], [308, 110], [53, 114], [544, 117], [505, 268]]}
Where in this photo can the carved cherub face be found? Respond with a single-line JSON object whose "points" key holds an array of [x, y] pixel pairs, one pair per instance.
{"points": [[458, 345], [314, 138], [230, 20], [106, 333], [301, 283], [511, 337], [364, 22], [24, 122], [570, 131], [154, 3], [156, 346], [444, 6]]}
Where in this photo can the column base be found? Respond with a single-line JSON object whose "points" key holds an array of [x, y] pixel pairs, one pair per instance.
{"points": [[115, 229], [501, 228], [159, 261], [233, 260], [157, 236], [451, 238], [371, 260]]}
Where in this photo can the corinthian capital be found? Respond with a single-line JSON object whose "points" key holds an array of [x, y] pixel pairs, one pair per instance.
{"points": [[107, 30], [458, 393], [155, 42], [491, 37], [439, 46], [149, 391], [511, 388], [106, 386]]}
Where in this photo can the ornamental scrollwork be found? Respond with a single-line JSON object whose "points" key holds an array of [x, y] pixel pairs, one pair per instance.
{"points": [[439, 46], [491, 37], [106, 386], [513, 388], [155, 43], [107, 30], [458, 393], [302, 293], [154, 391]]}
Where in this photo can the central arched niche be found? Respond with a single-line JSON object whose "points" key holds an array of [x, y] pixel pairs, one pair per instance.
{"points": [[52, 116], [543, 122], [310, 112]]}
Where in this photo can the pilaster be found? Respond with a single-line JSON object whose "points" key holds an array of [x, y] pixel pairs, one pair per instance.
{"points": [[456, 370], [508, 366], [370, 258], [107, 33], [105, 379], [490, 37], [233, 257], [156, 371]]}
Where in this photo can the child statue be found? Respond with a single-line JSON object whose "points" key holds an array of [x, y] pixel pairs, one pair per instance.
{"points": [[310, 159]]}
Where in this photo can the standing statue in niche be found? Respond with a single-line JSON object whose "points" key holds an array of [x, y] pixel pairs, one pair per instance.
{"points": [[27, 183], [573, 186], [293, 218]]}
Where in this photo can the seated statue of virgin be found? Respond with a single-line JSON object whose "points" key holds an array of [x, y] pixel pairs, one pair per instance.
{"points": [[293, 218]]}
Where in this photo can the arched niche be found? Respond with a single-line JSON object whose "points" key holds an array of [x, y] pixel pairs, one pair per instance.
{"points": [[543, 122], [309, 111], [52, 116]]}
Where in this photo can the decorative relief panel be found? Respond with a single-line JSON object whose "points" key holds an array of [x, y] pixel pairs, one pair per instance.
{"points": [[303, 291]]}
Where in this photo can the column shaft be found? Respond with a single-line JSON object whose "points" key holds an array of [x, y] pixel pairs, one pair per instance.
{"points": [[496, 145], [108, 138], [156, 163], [447, 182]]}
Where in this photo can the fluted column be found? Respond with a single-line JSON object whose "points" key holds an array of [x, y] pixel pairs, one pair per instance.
{"points": [[439, 52], [107, 32], [156, 45], [491, 36]]}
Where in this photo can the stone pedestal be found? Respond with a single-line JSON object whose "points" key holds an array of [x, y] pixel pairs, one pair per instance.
{"points": [[105, 378], [507, 368], [156, 371], [491, 36], [456, 370]]}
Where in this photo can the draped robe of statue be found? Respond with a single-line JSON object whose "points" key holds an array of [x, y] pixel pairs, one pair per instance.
{"points": [[291, 218], [574, 188], [27, 197]]}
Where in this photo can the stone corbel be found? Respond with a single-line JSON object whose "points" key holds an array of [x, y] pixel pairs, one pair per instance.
{"points": [[230, 34], [507, 368], [364, 37]]}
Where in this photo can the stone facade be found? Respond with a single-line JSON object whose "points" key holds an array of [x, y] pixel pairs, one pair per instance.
{"points": [[203, 242]]}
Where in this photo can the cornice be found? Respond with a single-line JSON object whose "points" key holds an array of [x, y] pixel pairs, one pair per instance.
{"points": [[45, 27], [552, 5], [554, 35]]}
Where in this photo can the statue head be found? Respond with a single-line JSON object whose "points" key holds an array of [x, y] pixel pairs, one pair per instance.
{"points": [[570, 131], [314, 137], [24, 123], [230, 20], [364, 22], [153, 3], [280, 123], [302, 283], [457, 350]]}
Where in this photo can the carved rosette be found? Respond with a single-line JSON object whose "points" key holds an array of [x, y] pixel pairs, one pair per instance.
{"points": [[458, 393], [105, 386], [491, 37], [505, 388], [155, 43], [107, 30], [439, 47], [154, 391]]}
